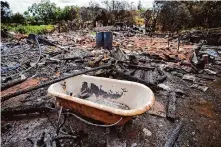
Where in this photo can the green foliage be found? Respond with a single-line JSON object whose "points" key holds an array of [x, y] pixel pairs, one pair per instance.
{"points": [[49, 13], [44, 11], [17, 18], [167, 15], [36, 29], [5, 11], [212, 13], [174, 16], [177, 15], [68, 13]]}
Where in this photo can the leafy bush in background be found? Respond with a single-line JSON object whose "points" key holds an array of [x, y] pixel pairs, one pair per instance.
{"points": [[164, 15], [29, 28]]}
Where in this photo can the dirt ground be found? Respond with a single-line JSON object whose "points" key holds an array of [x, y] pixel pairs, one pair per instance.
{"points": [[199, 111]]}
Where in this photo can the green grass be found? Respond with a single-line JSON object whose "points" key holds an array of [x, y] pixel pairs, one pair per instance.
{"points": [[27, 29]]}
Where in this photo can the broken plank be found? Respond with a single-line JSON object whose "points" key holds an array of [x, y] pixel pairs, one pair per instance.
{"points": [[13, 83], [171, 110]]}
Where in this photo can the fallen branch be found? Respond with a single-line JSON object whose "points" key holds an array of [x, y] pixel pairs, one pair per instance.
{"points": [[174, 135]]}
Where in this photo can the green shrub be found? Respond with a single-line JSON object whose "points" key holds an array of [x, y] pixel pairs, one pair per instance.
{"points": [[29, 29]]}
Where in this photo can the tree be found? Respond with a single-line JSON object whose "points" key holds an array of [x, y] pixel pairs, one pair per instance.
{"points": [[18, 18], [178, 15], [102, 17], [85, 14], [118, 11], [30, 19], [195, 9], [44, 11], [94, 9], [68, 13], [205, 13], [5, 11], [174, 15], [139, 6], [211, 11]]}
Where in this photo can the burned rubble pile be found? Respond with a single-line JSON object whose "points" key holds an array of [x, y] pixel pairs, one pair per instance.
{"points": [[212, 36], [36, 61]]}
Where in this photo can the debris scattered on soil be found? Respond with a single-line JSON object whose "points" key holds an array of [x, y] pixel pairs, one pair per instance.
{"points": [[167, 70], [158, 109], [202, 88], [147, 132], [189, 77]]}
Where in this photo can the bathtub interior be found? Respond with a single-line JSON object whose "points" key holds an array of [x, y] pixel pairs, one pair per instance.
{"points": [[131, 94]]}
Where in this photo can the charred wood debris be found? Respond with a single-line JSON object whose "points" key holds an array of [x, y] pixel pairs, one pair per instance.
{"points": [[54, 57]]}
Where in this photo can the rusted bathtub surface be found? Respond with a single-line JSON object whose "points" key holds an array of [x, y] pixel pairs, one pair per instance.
{"points": [[137, 97]]}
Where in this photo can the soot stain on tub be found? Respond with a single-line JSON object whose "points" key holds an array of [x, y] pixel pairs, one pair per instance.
{"points": [[92, 92], [88, 90]]}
